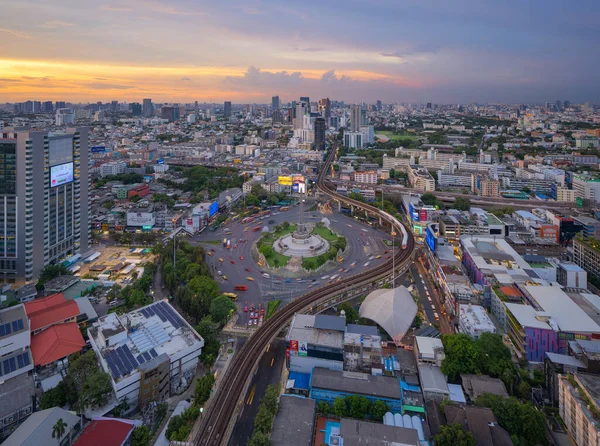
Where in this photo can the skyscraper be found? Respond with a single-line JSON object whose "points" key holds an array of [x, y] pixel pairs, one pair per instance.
{"points": [[320, 134], [355, 118], [147, 108], [136, 108], [227, 109], [306, 101], [325, 108], [275, 103], [170, 113], [44, 213]]}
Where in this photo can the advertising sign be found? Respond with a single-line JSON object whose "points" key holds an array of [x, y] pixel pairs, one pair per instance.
{"points": [[423, 215], [285, 180], [141, 219], [298, 178], [302, 348], [160, 161], [61, 174], [430, 239], [295, 188], [190, 222], [414, 214], [98, 149], [293, 347], [213, 209]]}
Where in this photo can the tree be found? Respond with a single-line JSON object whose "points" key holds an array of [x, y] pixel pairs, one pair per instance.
{"points": [[141, 436], [359, 406], [259, 438], [207, 328], [221, 309], [428, 198], [58, 430], [379, 409], [96, 389], [339, 407], [323, 407], [50, 272], [460, 355], [417, 322], [462, 204], [263, 420], [270, 400], [351, 312], [392, 173], [266, 250], [454, 435], [203, 389]]}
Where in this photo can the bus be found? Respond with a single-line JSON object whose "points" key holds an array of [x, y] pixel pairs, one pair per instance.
{"points": [[224, 242], [258, 228], [241, 287], [232, 296], [284, 208]]}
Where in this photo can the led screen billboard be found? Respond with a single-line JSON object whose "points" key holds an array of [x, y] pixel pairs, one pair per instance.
{"points": [[285, 180], [61, 174], [214, 207]]}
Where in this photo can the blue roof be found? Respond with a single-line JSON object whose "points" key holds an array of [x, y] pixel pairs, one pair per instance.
{"points": [[301, 380], [571, 267]]}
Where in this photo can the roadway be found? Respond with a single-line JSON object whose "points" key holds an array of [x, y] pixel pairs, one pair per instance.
{"points": [[268, 372], [430, 299], [283, 284]]}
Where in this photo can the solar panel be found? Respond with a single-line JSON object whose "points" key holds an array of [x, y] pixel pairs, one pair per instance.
{"points": [[114, 371], [153, 353], [147, 356], [119, 364], [150, 311], [125, 360], [140, 359], [130, 356]]}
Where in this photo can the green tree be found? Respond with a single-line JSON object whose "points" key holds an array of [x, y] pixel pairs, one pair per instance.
{"points": [[379, 409], [96, 389], [460, 355], [266, 250], [221, 309], [141, 436], [417, 321], [339, 407], [428, 198], [203, 389], [259, 438], [50, 272], [323, 407], [359, 406], [263, 420], [351, 312], [58, 430], [392, 173], [462, 204], [454, 435], [207, 328], [270, 400]]}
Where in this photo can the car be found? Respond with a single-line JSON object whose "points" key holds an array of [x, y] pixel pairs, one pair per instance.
{"points": [[245, 308], [252, 308], [213, 249], [234, 246], [232, 262], [271, 222], [220, 273], [262, 311], [248, 269], [314, 280], [362, 233], [251, 279], [255, 321], [311, 285], [378, 257], [388, 257], [298, 279], [252, 315], [241, 257], [210, 253], [260, 320], [249, 322], [220, 260], [288, 280], [224, 277], [436, 316]]}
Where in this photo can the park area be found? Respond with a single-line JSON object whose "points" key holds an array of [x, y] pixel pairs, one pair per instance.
{"points": [[392, 136]]}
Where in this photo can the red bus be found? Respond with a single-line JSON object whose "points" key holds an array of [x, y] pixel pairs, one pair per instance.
{"points": [[258, 228], [241, 287]]}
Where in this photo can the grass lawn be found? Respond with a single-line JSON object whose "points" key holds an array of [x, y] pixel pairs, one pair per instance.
{"points": [[281, 260], [396, 137], [272, 305], [290, 229], [212, 242], [326, 233]]}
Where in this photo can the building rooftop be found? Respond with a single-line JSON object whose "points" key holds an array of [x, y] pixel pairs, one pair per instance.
{"points": [[50, 310], [129, 340], [17, 392], [356, 383], [527, 316], [325, 322], [55, 343], [106, 431], [303, 328], [474, 317], [565, 360], [555, 302], [37, 429], [428, 345], [368, 330], [476, 385], [359, 433], [294, 421], [432, 379], [13, 320]]}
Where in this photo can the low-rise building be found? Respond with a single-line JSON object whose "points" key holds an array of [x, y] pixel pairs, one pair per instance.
{"points": [[586, 254], [473, 320], [365, 177], [579, 406], [420, 179], [429, 350]]}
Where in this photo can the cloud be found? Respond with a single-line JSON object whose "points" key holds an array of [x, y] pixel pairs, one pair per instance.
{"points": [[412, 49], [187, 79], [54, 24], [7, 79], [255, 77], [99, 86], [309, 50], [115, 8], [16, 33], [329, 77]]}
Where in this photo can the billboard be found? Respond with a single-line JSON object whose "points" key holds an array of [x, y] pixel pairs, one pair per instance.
{"points": [[423, 215], [293, 347], [61, 174], [285, 180], [414, 213], [140, 219], [298, 178], [302, 348], [160, 161], [299, 188], [430, 239], [214, 207], [98, 149]]}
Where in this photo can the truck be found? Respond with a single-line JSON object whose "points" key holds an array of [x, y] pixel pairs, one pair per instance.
{"points": [[228, 243], [241, 287]]}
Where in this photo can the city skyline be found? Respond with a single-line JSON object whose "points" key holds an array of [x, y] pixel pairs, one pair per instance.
{"points": [[410, 52]]}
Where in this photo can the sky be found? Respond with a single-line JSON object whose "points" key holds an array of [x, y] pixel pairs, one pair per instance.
{"points": [[460, 51]]}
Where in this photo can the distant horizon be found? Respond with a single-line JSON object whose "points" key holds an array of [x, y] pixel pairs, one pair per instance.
{"points": [[411, 51]]}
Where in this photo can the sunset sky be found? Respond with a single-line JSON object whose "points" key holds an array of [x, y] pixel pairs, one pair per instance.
{"points": [[246, 51]]}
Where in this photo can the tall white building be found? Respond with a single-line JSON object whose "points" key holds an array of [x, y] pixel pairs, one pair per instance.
{"points": [[112, 168], [65, 116]]}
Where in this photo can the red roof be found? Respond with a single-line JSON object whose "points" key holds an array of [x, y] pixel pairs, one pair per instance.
{"points": [[105, 433], [48, 301], [56, 314], [56, 342]]}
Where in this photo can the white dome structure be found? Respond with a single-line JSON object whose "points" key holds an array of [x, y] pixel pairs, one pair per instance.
{"points": [[392, 309]]}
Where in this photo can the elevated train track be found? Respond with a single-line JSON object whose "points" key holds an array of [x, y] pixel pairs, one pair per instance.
{"points": [[213, 428]]}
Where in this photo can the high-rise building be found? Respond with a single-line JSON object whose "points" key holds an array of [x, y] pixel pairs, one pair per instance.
{"points": [[136, 108], [306, 101], [325, 108], [275, 103], [65, 116], [147, 108], [170, 113], [44, 208], [60, 104], [227, 109], [355, 118], [320, 134], [379, 106], [114, 105], [47, 107]]}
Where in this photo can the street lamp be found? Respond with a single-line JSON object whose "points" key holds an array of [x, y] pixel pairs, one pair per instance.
{"points": [[393, 259]]}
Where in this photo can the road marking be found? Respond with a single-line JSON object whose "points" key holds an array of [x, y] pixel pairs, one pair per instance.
{"points": [[251, 396], [268, 347], [272, 361]]}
